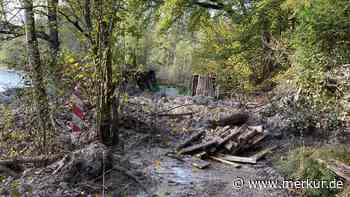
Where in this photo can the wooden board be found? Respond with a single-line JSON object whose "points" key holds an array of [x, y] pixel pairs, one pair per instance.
{"points": [[236, 165], [237, 158]]}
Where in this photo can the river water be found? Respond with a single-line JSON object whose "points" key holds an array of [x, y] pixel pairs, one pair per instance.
{"points": [[10, 79]]}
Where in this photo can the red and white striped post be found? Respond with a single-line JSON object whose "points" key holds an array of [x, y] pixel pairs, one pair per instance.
{"points": [[78, 113]]}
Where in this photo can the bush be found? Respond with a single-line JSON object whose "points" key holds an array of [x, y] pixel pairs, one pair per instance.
{"points": [[301, 164]]}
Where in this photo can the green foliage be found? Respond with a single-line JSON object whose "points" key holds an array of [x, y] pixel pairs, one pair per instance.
{"points": [[12, 54], [321, 44], [301, 164]]}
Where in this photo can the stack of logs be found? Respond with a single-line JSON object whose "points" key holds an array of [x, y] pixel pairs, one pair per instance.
{"points": [[231, 141]]}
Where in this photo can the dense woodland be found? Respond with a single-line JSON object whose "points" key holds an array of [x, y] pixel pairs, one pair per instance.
{"points": [[281, 64]]}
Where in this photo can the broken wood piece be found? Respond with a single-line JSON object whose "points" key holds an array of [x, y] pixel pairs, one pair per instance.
{"points": [[258, 128], [193, 138], [199, 147], [223, 141], [244, 137], [339, 168], [236, 165], [237, 159], [202, 155], [257, 139], [230, 144]]}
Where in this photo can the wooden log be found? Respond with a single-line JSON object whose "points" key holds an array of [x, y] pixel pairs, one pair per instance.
{"points": [[193, 138], [236, 165], [233, 120]]}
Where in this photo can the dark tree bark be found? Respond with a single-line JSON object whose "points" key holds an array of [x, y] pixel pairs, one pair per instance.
{"points": [[54, 38], [40, 97], [107, 106]]}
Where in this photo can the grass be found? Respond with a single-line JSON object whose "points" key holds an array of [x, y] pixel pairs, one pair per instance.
{"points": [[301, 164]]}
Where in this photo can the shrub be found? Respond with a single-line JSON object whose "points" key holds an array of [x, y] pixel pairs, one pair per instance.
{"points": [[301, 164]]}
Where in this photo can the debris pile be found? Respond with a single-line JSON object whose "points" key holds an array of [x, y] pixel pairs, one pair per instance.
{"points": [[222, 143], [219, 128]]}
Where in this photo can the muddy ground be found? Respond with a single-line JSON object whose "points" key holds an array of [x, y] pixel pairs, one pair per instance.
{"points": [[169, 177], [144, 166], [150, 155]]}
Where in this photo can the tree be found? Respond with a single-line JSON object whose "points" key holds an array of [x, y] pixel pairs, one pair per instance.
{"points": [[40, 97]]}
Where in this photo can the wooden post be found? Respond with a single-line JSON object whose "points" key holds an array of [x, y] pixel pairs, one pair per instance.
{"points": [[194, 84]]}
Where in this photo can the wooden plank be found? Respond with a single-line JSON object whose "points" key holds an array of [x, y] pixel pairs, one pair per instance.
{"points": [[236, 165], [258, 128], [202, 155], [230, 144], [244, 137], [258, 139], [237, 158], [199, 147], [223, 141], [188, 141]]}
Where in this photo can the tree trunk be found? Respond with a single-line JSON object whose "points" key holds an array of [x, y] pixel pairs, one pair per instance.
{"points": [[54, 44], [107, 106], [205, 86], [40, 97]]}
